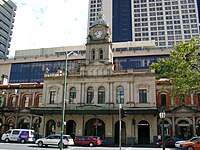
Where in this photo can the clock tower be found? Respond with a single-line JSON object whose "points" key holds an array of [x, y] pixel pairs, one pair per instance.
{"points": [[99, 46]]}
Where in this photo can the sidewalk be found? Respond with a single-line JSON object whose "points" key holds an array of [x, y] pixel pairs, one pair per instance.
{"points": [[125, 145]]}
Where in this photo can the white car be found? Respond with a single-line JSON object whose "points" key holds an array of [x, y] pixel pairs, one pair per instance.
{"points": [[54, 139], [178, 143]]}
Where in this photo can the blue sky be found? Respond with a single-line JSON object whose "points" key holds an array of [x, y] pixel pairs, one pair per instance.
{"points": [[49, 23]]}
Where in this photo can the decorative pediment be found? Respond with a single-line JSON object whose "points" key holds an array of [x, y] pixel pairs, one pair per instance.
{"points": [[183, 109], [96, 69], [54, 87], [24, 110], [96, 63]]}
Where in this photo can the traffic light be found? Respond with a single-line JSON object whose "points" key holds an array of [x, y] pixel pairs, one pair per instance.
{"points": [[123, 113]]}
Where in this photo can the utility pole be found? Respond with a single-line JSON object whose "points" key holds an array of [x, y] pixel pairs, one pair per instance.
{"points": [[122, 114], [120, 127]]}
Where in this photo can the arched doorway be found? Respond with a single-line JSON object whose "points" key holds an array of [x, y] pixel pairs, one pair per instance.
{"points": [[184, 130], [167, 128], [95, 127], [9, 123], [143, 132], [71, 128], [24, 123], [117, 132], [198, 128], [50, 127]]}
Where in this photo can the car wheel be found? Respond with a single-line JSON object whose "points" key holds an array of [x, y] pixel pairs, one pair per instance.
{"points": [[7, 140], [91, 144], [22, 141], [40, 143], [190, 148], [161, 145]]}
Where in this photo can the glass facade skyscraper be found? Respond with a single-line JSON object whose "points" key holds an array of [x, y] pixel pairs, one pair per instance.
{"points": [[7, 14], [165, 21]]}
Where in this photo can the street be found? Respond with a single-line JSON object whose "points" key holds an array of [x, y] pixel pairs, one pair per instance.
{"points": [[19, 146]]}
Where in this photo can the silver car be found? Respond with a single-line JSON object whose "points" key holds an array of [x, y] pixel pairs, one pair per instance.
{"points": [[178, 143], [54, 139]]}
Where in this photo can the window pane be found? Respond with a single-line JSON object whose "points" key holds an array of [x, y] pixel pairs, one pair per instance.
{"points": [[101, 95], [90, 95], [72, 95], [120, 95], [52, 97], [142, 96], [163, 100]]}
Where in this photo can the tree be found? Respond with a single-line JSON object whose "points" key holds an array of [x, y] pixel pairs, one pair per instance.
{"points": [[182, 69]]}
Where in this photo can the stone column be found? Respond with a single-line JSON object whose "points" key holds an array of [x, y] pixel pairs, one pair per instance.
{"points": [[111, 94], [194, 125], [173, 126], [192, 99], [33, 98]]}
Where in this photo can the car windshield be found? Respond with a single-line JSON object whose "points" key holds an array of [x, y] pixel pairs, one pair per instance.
{"points": [[9, 131], [194, 139], [67, 137], [96, 137]]}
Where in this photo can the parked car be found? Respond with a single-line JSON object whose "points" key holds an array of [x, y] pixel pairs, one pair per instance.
{"points": [[170, 142], [194, 145], [98, 137], [178, 143], [18, 135], [54, 139], [87, 141]]}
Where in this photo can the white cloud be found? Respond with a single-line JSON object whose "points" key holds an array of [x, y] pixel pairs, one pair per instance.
{"points": [[49, 23]]}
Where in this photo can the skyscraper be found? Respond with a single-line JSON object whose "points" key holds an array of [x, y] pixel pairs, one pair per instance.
{"points": [[7, 14], [168, 22]]}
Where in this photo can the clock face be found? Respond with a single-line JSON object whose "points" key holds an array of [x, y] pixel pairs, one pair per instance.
{"points": [[98, 34]]}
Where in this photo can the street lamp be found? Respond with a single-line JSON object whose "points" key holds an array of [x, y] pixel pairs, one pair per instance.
{"points": [[162, 116], [64, 99]]}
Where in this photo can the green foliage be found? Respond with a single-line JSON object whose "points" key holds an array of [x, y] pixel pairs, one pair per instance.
{"points": [[181, 68]]}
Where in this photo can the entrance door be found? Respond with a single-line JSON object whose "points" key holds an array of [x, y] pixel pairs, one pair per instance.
{"points": [[184, 130], [71, 128], [143, 132], [117, 132], [95, 127]]}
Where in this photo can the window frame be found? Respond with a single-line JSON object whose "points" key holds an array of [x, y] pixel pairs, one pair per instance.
{"points": [[143, 95], [101, 95], [120, 95]]}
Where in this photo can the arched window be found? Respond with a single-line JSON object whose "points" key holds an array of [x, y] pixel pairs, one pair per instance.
{"points": [[120, 95], [163, 100], [101, 54], [13, 101], [90, 95], [101, 95], [40, 100], [93, 54], [26, 101], [72, 95]]}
